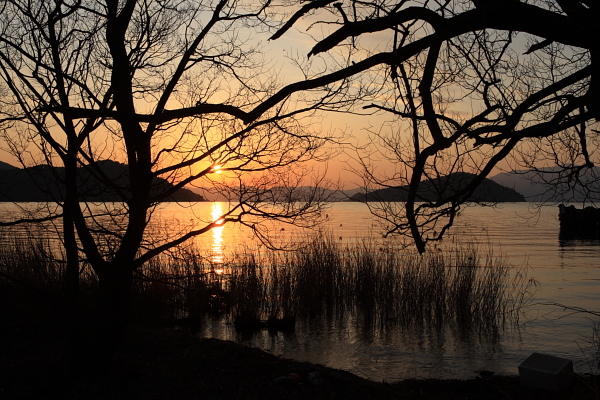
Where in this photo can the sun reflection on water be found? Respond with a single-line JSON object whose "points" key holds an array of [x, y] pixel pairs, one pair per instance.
{"points": [[217, 233]]}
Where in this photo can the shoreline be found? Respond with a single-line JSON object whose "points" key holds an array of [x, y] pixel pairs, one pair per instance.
{"points": [[159, 363]]}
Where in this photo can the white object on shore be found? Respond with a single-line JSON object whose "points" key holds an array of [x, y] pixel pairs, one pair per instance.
{"points": [[546, 372]]}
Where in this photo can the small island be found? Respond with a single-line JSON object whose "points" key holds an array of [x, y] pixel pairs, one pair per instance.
{"points": [[432, 190]]}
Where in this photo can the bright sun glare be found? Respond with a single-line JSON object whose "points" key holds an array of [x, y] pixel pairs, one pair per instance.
{"points": [[217, 232]]}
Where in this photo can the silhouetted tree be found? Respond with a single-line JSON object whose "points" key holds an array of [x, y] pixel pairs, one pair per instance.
{"points": [[174, 89], [469, 86]]}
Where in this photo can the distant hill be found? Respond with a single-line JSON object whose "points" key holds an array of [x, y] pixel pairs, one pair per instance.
{"points": [[488, 191], [328, 194], [534, 187], [4, 166], [41, 183]]}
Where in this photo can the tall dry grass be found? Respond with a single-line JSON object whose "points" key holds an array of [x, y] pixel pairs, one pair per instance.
{"points": [[380, 287]]}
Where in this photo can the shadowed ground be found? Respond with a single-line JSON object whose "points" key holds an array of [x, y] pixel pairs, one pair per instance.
{"points": [[160, 363]]}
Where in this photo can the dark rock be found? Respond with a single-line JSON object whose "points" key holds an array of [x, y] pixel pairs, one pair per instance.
{"points": [[287, 324], [245, 323], [576, 223]]}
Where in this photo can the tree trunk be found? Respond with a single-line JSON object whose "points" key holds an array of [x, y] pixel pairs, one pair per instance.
{"points": [[103, 331], [72, 300], [72, 304]]}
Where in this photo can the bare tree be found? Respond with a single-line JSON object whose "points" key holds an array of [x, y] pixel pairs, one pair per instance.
{"points": [[176, 88], [469, 86], [173, 89]]}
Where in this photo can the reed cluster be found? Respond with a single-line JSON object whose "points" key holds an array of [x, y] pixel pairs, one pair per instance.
{"points": [[590, 348], [31, 289], [30, 264], [378, 286], [180, 285], [382, 286]]}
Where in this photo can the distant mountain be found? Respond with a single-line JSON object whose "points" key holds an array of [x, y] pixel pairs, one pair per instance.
{"points": [[302, 193], [535, 186], [330, 195], [4, 166], [41, 183], [346, 195], [487, 191]]}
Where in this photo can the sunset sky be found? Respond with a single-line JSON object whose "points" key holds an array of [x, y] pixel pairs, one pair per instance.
{"points": [[296, 43], [354, 129]]}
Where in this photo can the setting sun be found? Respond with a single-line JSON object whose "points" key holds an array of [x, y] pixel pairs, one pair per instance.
{"points": [[406, 190]]}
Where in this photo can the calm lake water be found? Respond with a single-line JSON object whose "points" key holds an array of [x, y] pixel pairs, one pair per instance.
{"points": [[568, 273]]}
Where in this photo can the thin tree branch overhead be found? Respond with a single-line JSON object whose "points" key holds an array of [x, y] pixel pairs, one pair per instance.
{"points": [[483, 82]]}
